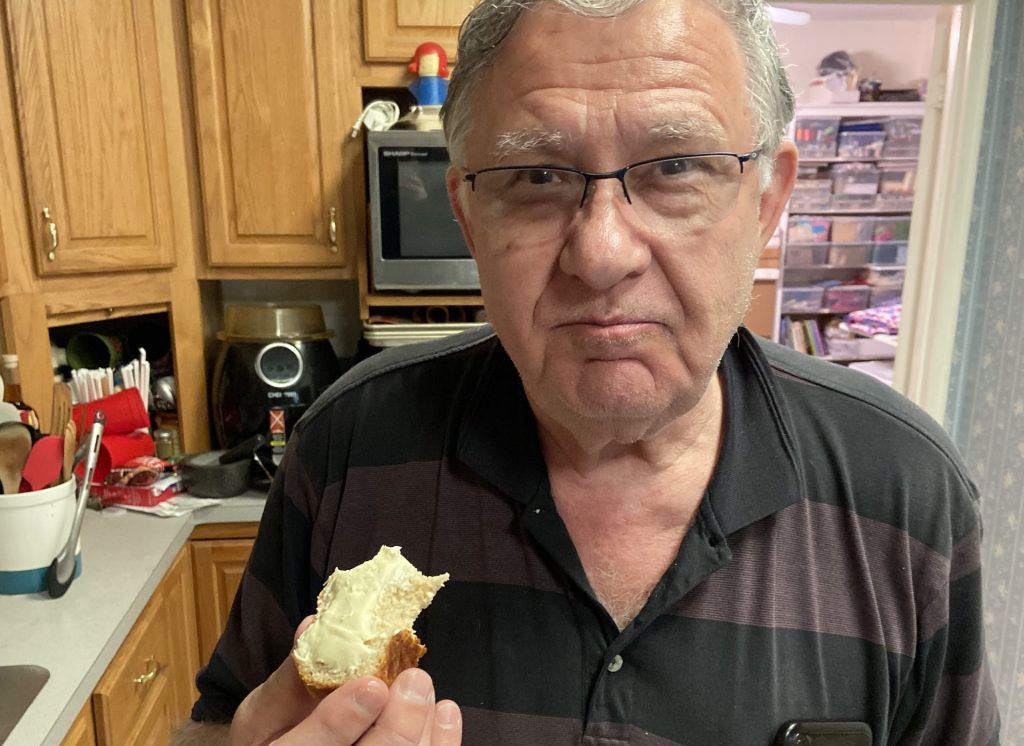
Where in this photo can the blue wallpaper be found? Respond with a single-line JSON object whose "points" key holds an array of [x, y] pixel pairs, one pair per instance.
{"points": [[986, 403]]}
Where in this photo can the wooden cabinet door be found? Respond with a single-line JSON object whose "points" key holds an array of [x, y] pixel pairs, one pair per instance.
{"points": [[218, 564], [267, 102], [88, 80], [392, 29], [147, 689]]}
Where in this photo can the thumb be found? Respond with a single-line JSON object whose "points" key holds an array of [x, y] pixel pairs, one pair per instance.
{"points": [[276, 705]]}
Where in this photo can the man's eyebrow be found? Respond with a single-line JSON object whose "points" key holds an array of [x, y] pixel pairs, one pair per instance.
{"points": [[690, 130], [519, 142]]}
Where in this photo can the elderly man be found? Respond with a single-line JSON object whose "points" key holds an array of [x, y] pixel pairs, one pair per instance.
{"points": [[659, 529]]}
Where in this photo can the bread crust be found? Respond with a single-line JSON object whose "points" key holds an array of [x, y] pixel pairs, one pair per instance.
{"points": [[403, 651]]}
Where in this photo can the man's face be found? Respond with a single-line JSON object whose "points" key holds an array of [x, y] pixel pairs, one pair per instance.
{"points": [[612, 320]]}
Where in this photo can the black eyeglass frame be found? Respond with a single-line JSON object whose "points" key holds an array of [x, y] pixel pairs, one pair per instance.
{"points": [[620, 174]]}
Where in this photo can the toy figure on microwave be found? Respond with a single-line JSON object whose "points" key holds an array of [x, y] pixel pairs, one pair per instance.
{"points": [[430, 63]]}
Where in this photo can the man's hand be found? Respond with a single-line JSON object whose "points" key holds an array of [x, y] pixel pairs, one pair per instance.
{"points": [[364, 712]]}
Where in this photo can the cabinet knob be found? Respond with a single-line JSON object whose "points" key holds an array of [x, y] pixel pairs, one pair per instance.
{"points": [[54, 238], [332, 229]]}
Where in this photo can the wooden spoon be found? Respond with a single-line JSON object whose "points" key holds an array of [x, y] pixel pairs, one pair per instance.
{"points": [[60, 410], [15, 444], [70, 443]]}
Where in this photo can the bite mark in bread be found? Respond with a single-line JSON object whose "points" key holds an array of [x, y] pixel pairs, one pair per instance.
{"points": [[363, 623]]}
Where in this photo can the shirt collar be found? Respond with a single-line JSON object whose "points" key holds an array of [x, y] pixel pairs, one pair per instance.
{"points": [[756, 474]]}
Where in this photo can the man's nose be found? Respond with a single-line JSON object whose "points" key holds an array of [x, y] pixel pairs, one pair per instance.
{"points": [[604, 246]]}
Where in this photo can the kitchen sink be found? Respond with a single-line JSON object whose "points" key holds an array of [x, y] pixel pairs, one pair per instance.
{"points": [[19, 685]]}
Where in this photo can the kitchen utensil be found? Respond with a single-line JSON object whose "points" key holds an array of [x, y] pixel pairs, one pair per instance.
{"points": [[43, 465], [60, 410], [15, 445], [70, 442], [204, 475], [62, 568]]}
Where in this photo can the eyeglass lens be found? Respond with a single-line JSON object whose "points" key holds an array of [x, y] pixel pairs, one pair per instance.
{"points": [[670, 195]]}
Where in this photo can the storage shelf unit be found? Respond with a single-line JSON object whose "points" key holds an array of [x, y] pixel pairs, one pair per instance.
{"points": [[845, 233]]}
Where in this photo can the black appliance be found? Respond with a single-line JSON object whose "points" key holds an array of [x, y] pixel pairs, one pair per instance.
{"points": [[273, 363]]}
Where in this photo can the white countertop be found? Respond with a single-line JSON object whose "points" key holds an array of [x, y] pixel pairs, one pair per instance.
{"points": [[124, 557]]}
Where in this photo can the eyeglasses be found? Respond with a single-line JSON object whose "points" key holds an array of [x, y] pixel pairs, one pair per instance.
{"points": [[674, 194]]}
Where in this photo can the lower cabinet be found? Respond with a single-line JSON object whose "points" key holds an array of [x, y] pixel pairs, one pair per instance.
{"points": [[148, 688], [218, 565]]}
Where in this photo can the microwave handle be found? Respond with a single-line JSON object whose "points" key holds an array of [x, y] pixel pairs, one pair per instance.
{"points": [[332, 229]]}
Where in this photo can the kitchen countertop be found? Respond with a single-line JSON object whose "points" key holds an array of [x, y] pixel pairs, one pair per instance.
{"points": [[124, 557]]}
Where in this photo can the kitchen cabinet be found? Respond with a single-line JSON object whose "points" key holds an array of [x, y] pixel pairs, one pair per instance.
{"points": [[147, 689], [269, 129], [89, 78], [218, 564], [82, 732], [392, 29], [92, 130]]}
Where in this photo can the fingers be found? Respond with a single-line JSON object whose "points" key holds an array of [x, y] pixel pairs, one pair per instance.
{"points": [[407, 714], [342, 717], [363, 712], [366, 712], [447, 727]]}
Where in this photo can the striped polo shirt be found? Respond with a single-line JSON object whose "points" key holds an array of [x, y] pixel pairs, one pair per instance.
{"points": [[832, 571]]}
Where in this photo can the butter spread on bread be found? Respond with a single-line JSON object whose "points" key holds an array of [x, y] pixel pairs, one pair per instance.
{"points": [[363, 623]]}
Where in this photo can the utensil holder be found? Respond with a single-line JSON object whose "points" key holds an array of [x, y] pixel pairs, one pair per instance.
{"points": [[34, 526]]}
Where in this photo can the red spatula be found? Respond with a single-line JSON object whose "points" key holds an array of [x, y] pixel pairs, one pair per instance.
{"points": [[42, 468]]}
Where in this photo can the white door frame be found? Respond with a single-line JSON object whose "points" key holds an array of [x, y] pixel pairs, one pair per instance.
{"points": [[938, 250], [950, 150]]}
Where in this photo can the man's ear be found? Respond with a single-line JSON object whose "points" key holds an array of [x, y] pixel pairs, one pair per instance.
{"points": [[774, 199], [454, 183]]}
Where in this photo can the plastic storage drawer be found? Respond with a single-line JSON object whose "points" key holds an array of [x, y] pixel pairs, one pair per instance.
{"points": [[811, 194], [850, 254], [816, 137], [853, 230], [846, 298], [801, 299], [896, 187], [892, 229], [885, 297], [890, 252], [886, 277], [861, 144], [808, 229], [804, 255], [902, 138]]}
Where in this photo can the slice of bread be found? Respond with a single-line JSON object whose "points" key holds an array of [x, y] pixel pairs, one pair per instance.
{"points": [[363, 623]]}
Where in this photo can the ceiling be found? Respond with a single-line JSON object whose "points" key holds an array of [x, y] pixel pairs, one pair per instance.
{"points": [[862, 11]]}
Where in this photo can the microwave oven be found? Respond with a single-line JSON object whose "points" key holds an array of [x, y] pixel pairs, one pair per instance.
{"points": [[415, 243]]}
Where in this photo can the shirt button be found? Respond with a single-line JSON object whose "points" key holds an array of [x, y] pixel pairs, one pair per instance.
{"points": [[615, 665]]}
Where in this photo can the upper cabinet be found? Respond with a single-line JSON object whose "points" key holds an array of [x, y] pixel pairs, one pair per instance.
{"points": [[270, 130], [88, 76], [392, 29]]}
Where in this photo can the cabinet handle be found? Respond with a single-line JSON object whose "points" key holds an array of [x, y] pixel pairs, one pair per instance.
{"points": [[332, 229], [152, 671], [54, 240]]}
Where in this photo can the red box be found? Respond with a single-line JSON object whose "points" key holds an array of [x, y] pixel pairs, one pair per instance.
{"points": [[147, 497]]}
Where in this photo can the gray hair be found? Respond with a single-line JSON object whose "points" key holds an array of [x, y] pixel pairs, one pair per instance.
{"points": [[490, 22]]}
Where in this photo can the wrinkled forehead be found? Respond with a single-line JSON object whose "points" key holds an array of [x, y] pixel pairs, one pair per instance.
{"points": [[667, 67]]}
